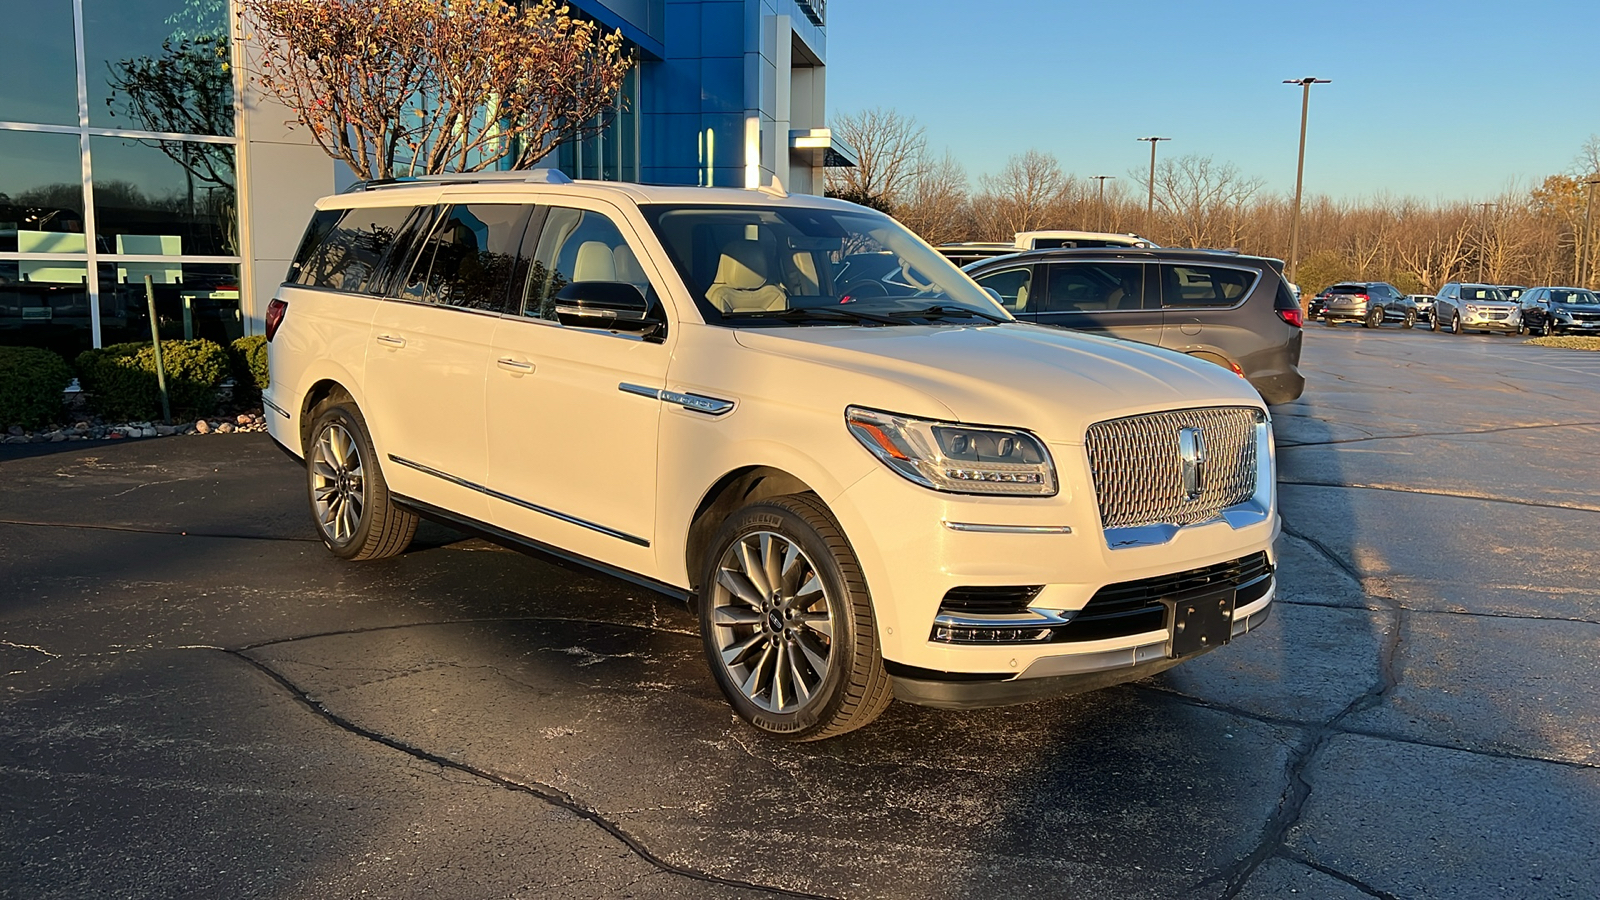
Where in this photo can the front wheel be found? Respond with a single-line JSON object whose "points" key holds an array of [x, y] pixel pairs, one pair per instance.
{"points": [[787, 622], [1455, 323], [350, 503], [1410, 321]]}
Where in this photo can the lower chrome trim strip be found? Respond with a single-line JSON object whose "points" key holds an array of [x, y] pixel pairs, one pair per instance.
{"points": [[1008, 529], [533, 507], [274, 407]]}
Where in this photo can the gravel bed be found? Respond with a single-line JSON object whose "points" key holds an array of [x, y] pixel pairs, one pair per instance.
{"points": [[1568, 342], [92, 428]]}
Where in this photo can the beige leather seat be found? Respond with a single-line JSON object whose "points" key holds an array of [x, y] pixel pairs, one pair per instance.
{"points": [[594, 262], [741, 282]]}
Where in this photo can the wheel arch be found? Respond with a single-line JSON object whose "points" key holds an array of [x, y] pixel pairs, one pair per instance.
{"points": [[733, 490], [319, 391]]}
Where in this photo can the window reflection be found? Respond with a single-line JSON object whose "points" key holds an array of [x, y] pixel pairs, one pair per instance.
{"points": [[174, 198], [159, 65], [41, 193], [45, 303], [38, 75], [193, 300]]}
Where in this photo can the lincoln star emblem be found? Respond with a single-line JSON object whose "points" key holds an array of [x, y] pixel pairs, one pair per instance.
{"points": [[1192, 450]]}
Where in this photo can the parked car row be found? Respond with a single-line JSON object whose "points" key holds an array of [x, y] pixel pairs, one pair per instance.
{"points": [[1462, 307]]}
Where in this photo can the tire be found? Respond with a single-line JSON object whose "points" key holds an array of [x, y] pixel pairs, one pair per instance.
{"points": [[1433, 322], [355, 516], [1374, 318], [834, 630], [1549, 330], [1455, 323], [1327, 320], [1410, 321]]}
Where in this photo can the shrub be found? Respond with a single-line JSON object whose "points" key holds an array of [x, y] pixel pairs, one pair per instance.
{"points": [[249, 356], [31, 382], [121, 379]]}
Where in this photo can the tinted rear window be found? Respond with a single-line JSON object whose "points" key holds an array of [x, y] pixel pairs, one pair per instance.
{"points": [[1348, 289], [349, 255], [469, 257], [1199, 286], [321, 223]]}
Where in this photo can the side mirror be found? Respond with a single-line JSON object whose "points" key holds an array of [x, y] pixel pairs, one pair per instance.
{"points": [[995, 295], [611, 305]]}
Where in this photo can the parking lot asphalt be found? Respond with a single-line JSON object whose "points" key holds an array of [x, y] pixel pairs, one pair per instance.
{"points": [[196, 699]]}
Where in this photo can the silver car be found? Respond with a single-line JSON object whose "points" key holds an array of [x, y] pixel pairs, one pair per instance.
{"points": [[1424, 304], [1458, 308]]}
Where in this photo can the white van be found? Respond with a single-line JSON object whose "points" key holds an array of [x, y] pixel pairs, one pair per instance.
{"points": [[869, 480]]}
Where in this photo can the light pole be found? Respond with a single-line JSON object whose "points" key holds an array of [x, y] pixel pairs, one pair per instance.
{"points": [[1586, 254], [1150, 204], [1483, 236], [1102, 179], [1300, 172]]}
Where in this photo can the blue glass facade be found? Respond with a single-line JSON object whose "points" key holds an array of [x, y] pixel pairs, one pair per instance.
{"points": [[723, 85]]}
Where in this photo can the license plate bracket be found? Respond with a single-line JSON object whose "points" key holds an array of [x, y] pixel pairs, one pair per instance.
{"points": [[1198, 624]]}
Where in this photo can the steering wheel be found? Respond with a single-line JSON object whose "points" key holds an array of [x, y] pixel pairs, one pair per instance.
{"points": [[865, 287]]}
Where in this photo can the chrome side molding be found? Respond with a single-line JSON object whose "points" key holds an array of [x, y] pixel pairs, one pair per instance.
{"points": [[700, 403], [1008, 529]]}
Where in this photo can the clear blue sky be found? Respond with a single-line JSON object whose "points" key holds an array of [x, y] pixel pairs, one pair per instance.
{"points": [[1429, 99]]}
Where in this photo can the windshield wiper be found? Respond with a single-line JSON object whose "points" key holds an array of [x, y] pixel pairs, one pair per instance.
{"points": [[817, 314], [941, 311]]}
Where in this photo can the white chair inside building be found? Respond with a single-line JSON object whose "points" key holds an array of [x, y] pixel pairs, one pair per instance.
{"points": [[150, 245]]}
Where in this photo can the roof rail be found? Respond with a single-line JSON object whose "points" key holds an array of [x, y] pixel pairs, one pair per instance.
{"points": [[517, 176]]}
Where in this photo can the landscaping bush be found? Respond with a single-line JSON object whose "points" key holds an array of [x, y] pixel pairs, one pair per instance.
{"points": [[249, 355], [121, 379], [31, 382]]}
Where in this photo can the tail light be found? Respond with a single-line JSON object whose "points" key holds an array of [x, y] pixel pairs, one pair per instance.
{"points": [[1362, 297], [275, 311], [1294, 317]]}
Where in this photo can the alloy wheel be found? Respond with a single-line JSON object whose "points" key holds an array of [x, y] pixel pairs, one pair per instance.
{"points": [[773, 621], [337, 483]]}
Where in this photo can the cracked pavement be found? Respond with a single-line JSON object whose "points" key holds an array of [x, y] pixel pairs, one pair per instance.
{"points": [[197, 700]]}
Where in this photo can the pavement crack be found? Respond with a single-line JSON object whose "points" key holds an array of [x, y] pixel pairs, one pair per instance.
{"points": [[1291, 445], [1351, 880], [1459, 495], [169, 532], [34, 647], [486, 620], [546, 793]]}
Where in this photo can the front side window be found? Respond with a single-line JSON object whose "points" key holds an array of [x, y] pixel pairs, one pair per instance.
{"points": [[349, 257], [1094, 287], [577, 245], [468, 257], [1015, 287], [1206, 286], [795, 266]]}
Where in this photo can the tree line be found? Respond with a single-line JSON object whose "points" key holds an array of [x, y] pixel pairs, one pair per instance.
{"points": [[1523, 236]]}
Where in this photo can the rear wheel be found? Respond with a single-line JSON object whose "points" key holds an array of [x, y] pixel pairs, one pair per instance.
{"points": [[1433, 323], [1327, 320], [787, 622], [1374, 318], [350, 502]]}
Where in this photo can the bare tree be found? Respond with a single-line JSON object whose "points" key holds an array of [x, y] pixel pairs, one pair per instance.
{"points": [[936, 205], [1202, 201], [891, 151], [396, 87], [1023, 197]]}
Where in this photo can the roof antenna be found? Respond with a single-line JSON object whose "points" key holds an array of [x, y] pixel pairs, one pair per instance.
{"points": [[775, 188]]}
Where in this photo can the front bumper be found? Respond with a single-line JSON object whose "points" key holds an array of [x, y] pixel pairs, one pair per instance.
{"points": [[1056, 676], [912, 557]]}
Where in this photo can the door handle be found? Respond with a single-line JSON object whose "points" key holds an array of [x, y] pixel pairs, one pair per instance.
{"points": [[389, 340], [514, 366]]}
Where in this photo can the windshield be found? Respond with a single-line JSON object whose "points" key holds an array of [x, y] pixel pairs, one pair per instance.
{"points": [[787, 266], [1580, 298], [1482, 294]]}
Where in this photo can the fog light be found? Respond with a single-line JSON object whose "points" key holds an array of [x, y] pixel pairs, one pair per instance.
{"points": [[968, 634]]}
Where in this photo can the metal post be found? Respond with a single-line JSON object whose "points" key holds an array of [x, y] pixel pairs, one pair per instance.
{"points": [[1300, 173], [1102, 202], [1483, 236], [155, 339], [188, 317], [1150, 204], [1586, 252]]}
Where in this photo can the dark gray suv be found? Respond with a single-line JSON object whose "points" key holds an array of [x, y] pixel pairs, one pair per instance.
{"points": [[1236, 311]]}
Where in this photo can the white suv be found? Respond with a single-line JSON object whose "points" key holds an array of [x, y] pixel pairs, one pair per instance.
{"points": [[868, 479]]}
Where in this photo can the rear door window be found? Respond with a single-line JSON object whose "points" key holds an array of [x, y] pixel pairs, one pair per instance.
{"points": [[1198, 287], [468, 257], [1090, 287], [1013, 285], [348, 259]]}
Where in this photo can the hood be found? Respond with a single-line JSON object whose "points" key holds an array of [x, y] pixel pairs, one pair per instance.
{"points": [[1048, 380]]}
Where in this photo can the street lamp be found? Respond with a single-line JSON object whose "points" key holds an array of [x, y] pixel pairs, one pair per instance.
{"points": [[1150, 205], [1483, 236], [1585, 260], [1102, 180], [1300, 172]]}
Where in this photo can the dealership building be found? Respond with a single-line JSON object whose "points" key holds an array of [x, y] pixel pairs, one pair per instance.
{"points": [[133, 147]]}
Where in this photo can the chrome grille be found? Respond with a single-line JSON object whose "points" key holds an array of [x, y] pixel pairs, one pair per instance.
{"points": [[1138, 472]]}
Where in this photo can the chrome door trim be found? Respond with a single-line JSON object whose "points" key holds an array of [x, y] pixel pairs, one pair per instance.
{"points": [[532, 507], [700, 403]]}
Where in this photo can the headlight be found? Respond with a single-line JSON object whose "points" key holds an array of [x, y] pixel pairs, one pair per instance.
{"points": [[1563, 314], [956, 458]]}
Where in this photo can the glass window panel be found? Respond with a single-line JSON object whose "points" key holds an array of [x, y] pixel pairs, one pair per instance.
{"points": [[38, 70], [1198, 286], [468, 258], [193, 300], [159, 65], [1013, 286], [576, 245], [164, 197], [352, 252], [41, 193], [1095, 287], [45, 303]]}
